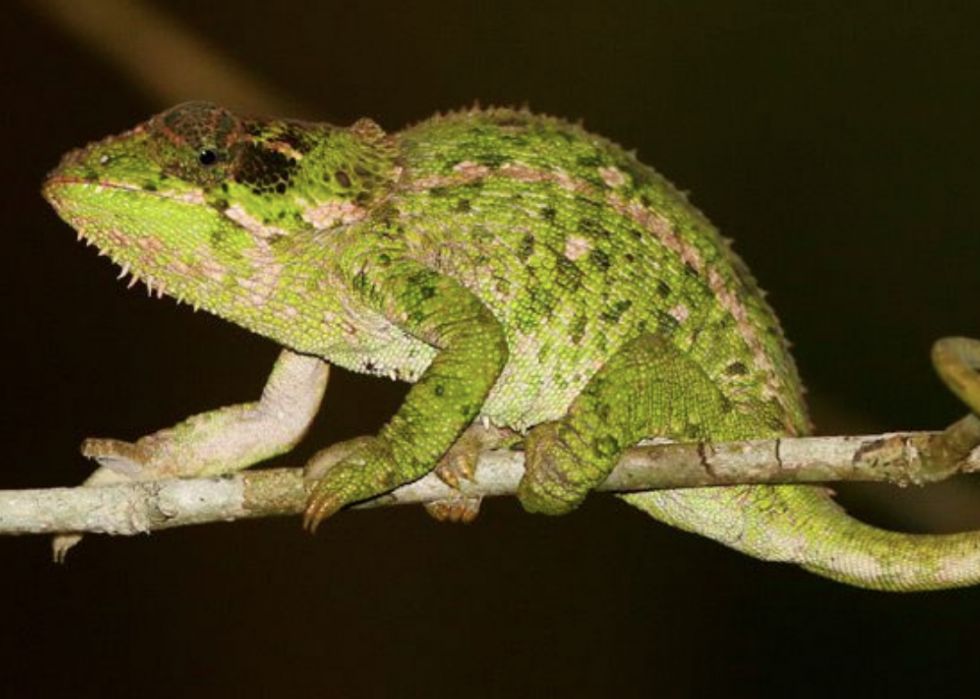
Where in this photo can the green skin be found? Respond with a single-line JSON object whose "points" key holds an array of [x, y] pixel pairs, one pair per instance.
{"points": [[522, 273]]}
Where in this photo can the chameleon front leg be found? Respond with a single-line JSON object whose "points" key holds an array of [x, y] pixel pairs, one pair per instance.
{"points": [[219, 441], [438, 408], [649, 388]]}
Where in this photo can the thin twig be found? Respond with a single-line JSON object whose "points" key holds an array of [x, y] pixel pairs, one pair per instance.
{"points": [[138, 507]]}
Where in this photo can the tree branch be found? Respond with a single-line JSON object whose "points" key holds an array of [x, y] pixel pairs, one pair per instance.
{"points": [[139, 507]]}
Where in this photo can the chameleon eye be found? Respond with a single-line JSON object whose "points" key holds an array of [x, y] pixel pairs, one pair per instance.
{"points": [[197, 141], [207, 157]]}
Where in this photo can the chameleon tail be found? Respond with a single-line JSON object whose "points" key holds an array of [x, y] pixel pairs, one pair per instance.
{"points": [[803, 525]]}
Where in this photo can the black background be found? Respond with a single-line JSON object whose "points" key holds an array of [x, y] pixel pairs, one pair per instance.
{"points": [[837, 142]]}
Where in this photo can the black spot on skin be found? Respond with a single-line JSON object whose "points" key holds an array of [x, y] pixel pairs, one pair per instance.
{"points": [[149, 187], [585, 202], [689, 268], [296, 137], [629, 257], [736, 369], [576, 330], [600, 258], [616, 311], [594, 160], [263, 169], [602, 411], [343, 179], [463, 206], [569, 275], [663, 288], [360, 283], [439, 390], [438, 192], [281, 188], [526, 248], [491, 160], [386, 214], [548, 213], [773, 418], [667, 324], [696, 333]]}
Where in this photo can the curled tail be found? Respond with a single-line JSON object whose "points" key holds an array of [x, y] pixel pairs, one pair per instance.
{"points": [[803, 525]]}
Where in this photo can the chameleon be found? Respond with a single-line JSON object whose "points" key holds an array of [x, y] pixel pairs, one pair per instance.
{"points": [[534, 282]]}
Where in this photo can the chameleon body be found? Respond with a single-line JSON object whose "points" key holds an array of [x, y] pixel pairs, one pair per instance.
{"points": [[528, 277]]}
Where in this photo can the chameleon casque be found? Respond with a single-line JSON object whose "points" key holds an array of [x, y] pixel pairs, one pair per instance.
{"points": [[532, 280]]}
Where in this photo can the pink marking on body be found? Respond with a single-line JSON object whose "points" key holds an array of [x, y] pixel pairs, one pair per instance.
{"points": [[467, 172], [239, 215], [213, 270], [194, 197], [577, 247], [285, 149], [680, 313], [337, 212], [665, 232], [660, 227], [469, 169], [612, 176]]}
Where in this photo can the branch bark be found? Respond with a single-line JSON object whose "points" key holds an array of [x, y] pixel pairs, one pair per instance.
{"points": [[140, 507]]}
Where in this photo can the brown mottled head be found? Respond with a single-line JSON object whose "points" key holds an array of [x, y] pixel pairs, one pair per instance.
{"points": [[198, 141]]}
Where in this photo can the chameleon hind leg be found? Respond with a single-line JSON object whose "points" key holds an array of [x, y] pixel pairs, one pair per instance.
{"points": [[649, 388]]}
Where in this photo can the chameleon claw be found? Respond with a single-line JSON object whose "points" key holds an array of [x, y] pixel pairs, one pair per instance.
{"points": [[319, 509]]}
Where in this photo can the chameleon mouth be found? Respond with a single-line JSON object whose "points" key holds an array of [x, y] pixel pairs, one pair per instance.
{"points": [[109, 241]]}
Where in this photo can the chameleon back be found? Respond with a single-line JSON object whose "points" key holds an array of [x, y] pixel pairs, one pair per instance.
{"points": [[599, 249]]}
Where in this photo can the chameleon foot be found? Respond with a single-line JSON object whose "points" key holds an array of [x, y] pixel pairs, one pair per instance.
{"points": [[126, 458], [343, 474], [554, 479], [457, 510], [459, 464]]}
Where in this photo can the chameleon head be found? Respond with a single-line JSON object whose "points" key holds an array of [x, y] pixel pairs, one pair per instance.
{"points": [[204, 205]]}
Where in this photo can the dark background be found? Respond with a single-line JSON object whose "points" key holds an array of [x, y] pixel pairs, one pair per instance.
{"points": [[838, 144]]}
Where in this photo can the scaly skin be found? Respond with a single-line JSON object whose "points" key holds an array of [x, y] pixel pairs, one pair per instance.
{"points": [[518, 270]]}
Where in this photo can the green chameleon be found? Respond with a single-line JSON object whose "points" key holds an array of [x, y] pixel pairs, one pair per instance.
{"points": [[533, 281]]}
